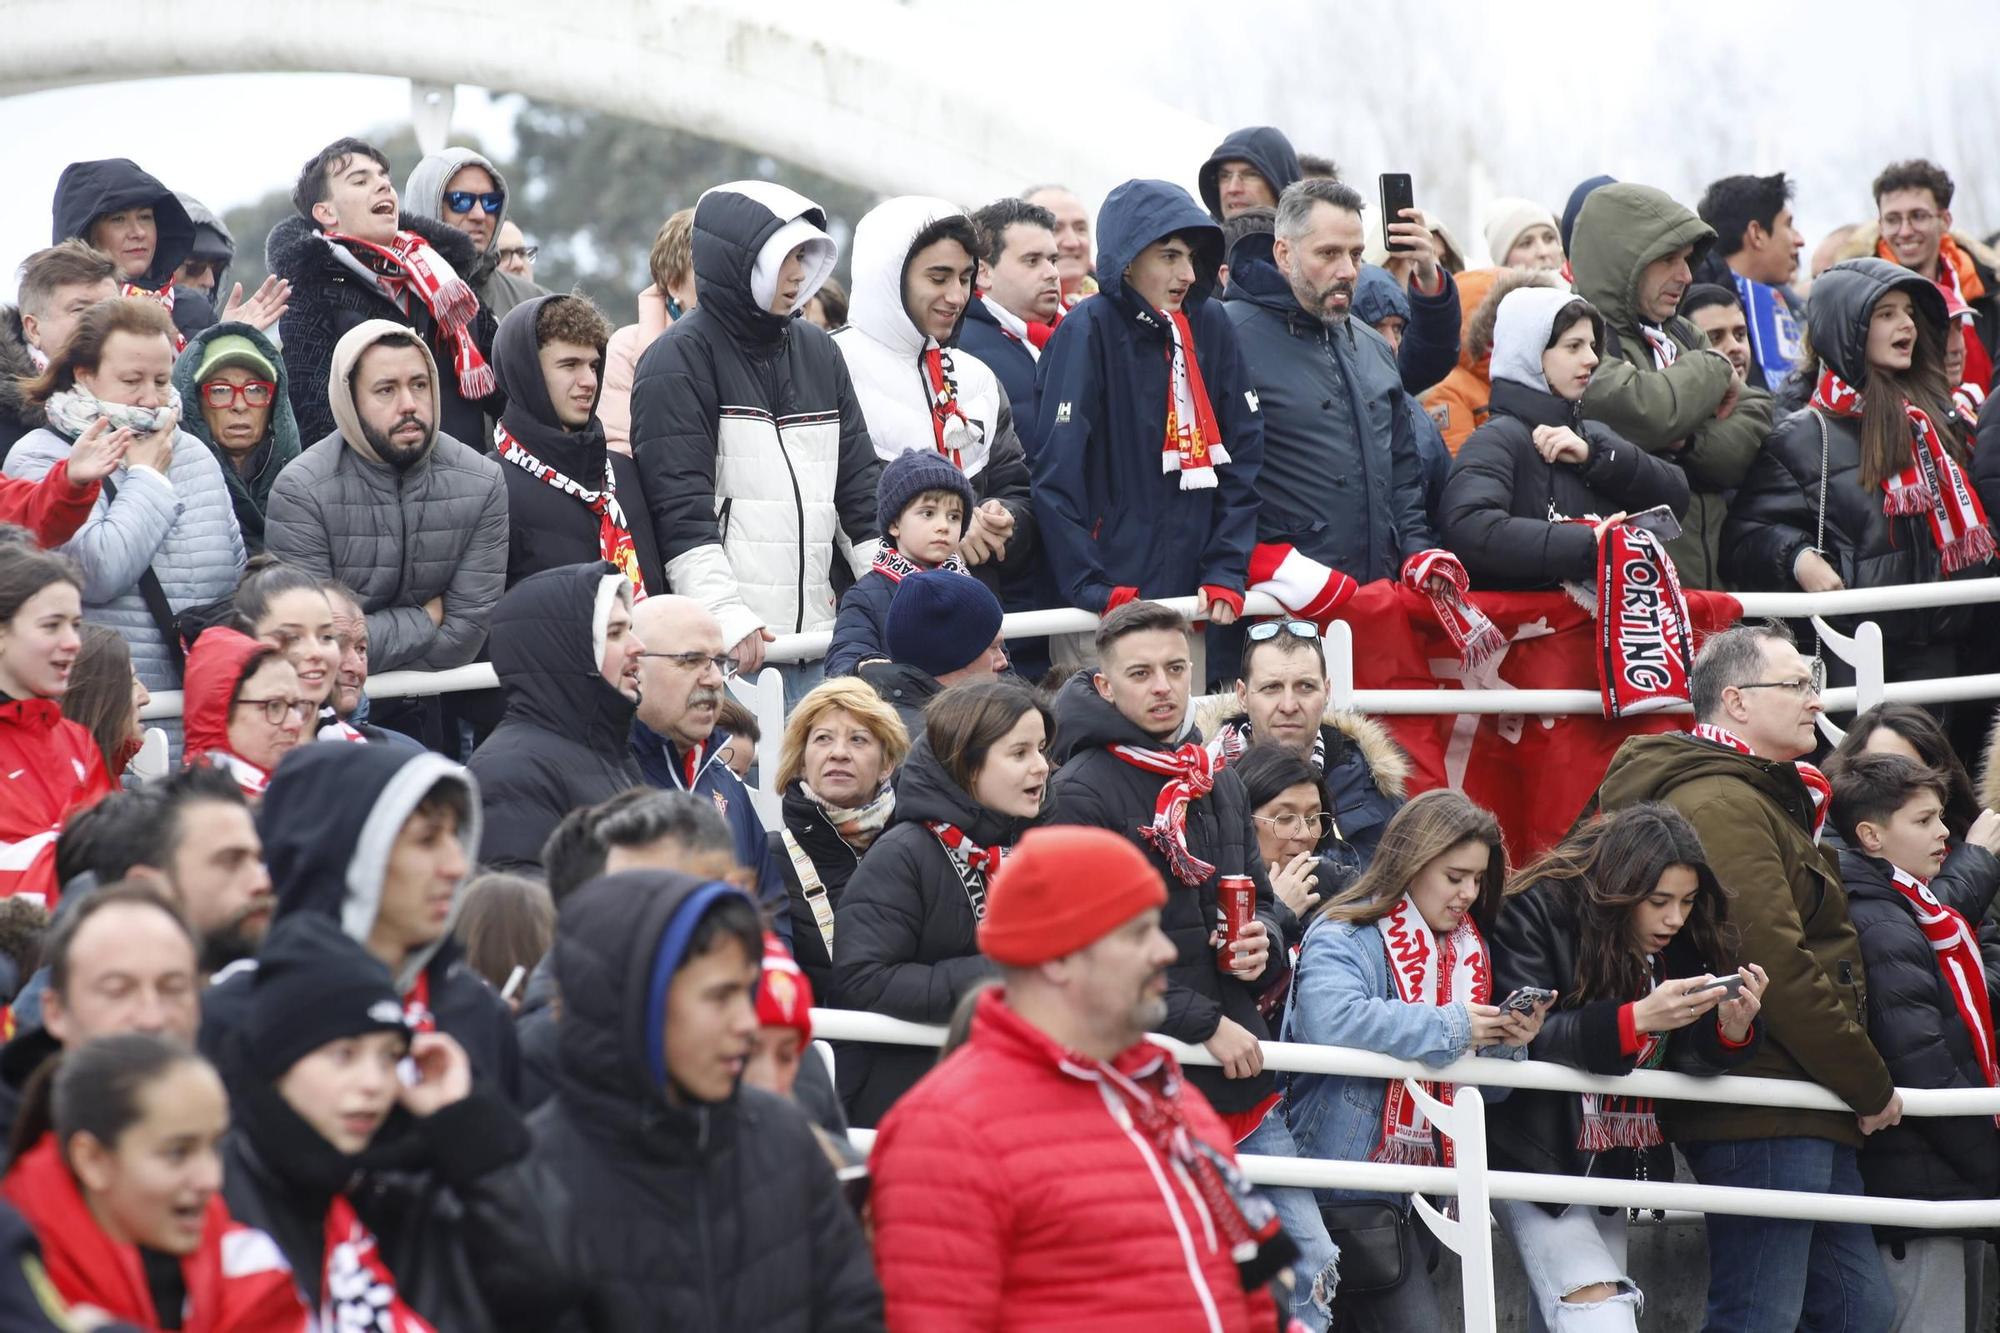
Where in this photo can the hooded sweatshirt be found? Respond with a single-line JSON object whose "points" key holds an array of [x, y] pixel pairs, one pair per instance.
{"points": [[549, 527], [423, 193], [1505, 507], [563, 742], [1377, 297], [88, 191], [1266, 149], [746, 428], [249, 490], [437, 528], [216, 666], [1665, 406]]}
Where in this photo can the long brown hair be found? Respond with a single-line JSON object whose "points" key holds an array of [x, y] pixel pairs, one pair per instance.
{"points": [[1885, 428], [1605, 870], [1428, 827], [99, 697], [85, 349]]}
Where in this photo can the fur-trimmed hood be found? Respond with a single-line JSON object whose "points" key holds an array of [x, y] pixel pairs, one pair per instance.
{"points": [[294, 246], [1387, 764], [15, 365], [1989, 769]]}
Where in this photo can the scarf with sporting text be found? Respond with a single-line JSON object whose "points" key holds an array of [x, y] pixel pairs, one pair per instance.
{"points": [[1612, 1121], [357, 1290], [1956, 950], [614, 534], [1645, 641], [894, 566], [408, 265], [164, 298], [1435, 970], [1472, 632], [1193, 446], [1932, 484], [1190, 775], [950, 427], [975, 864], [1817, 786]]}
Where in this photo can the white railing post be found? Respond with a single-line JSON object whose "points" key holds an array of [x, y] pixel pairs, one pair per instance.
{"points": [[765, 698], [1339, 646], [1470, 1234], [1863, 652]]}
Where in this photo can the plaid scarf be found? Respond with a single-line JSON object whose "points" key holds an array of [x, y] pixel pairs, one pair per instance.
{"points": [[952, 429], [1193, 445], [407, 265], [1817, 786], [1191, 775], [857, 827], [1474, 635], [1956, 949], [1427, 969], [1933, 484], [894, 566], [164, 298], [614, 534], [1612, 1121], [357, 1290]]}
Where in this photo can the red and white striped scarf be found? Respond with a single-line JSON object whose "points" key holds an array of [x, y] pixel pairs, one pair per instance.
{"points": [[164, 298], [1191, 776], [1193, 446], [1472, 632], [1956, 949], [1427, 969], [408, 265], [1614, 1121], [985, 860], [1933, 484], [1815, 781], [950, 427], [614, 534], [357, 1290], [250, 779]]}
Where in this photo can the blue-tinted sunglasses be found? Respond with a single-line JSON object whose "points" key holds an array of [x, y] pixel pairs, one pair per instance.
{"points": [[461, 201]]}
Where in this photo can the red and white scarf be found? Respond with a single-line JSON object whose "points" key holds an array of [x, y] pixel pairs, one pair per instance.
{"points": [[408, 264], [950, 427], [1301, 584], [1427, 969], [894, 566], [1665, 350], [1645, 642], [1474, 635], [1933, 484], [250, 779], [1193, 446], [1956, 949], [1191, 776], [1232, 738], [164, 298], [1028, 333], [974, 864], [357, 1290], [1613, 1121], [1817, 786], [417, 1012], [614, 534]]}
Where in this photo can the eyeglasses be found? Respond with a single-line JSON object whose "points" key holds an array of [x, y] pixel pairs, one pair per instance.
{"points": [[1298, 826], [1266, 630], [1920, 218], [276, 710], [696, 661], [1813, 684], [527, 252], [461, 201], [223, 394]]}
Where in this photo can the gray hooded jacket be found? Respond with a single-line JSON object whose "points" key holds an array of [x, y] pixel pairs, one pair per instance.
{"points": [[423, 193]]}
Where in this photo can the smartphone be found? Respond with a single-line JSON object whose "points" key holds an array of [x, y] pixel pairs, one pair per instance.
{"points": [[1396, 196], [1731, 986], [1524, 1000], [1659, 520]]}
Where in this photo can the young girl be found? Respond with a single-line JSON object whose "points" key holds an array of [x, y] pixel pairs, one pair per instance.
{"points": [[1626, 922]]}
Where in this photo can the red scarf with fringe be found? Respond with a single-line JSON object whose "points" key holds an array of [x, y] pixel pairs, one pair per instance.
{"points": [[1472, 632], [1427, 969], [357, 1290], [1193, 446], [1191, 776], [408, 264]]}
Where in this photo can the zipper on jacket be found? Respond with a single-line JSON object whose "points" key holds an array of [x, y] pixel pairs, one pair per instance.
{"points": [[799, 506]]}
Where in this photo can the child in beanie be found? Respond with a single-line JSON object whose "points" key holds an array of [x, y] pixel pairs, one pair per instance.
{"points": [[923, 505]]}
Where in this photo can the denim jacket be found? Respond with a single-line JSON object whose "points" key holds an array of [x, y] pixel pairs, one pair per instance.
{"points": [[1342, 995]]}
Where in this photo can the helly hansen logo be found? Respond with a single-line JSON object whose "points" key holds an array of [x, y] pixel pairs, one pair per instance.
{"points": [[1250, 397], [1062, 414]]}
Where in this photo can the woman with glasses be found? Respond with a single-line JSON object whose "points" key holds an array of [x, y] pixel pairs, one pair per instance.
{"points": [[1288, 810], [235, 377], [243, 707]]}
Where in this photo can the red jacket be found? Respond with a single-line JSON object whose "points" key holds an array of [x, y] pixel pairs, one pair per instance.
{"points": [[215, 667], [1007, 1197], [237, 1281], [50, 506], [50, 768]]}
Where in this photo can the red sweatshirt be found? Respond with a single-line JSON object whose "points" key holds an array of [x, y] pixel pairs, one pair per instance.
{"points": [[51, 507]]}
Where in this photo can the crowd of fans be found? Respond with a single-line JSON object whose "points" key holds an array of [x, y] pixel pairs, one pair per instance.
{"points": [[494, 1011]]}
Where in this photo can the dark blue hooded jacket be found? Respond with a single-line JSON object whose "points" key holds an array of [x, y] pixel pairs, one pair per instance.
{"points": [[1109, 517], [1265, 148], [1011, 363], [663, 765], [1377, 297], [1342, 478]]}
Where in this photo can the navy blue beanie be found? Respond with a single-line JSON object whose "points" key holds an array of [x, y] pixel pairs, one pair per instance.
{"points": [[941, 621], [910, 474]]}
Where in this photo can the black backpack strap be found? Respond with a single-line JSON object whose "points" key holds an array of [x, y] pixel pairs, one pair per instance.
{"points": [[157, 605]]}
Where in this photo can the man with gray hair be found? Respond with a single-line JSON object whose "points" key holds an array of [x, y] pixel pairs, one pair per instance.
{"points": [[1342, 481], [1740, 779]]}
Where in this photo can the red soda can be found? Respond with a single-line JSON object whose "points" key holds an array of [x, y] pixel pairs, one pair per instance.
{"points": [[1236, 897]]}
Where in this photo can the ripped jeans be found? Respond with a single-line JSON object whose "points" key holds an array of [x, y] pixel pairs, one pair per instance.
{"points": [[1582, 1248], [1299, 1211]]}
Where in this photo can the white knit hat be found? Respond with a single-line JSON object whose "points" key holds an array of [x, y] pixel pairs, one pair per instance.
{"points": [[1506, 218]]}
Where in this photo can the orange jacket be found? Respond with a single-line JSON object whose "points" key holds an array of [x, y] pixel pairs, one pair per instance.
{"points": [[1458, 403]]}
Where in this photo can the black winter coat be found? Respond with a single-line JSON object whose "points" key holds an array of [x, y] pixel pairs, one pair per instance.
{"points": [[632, 1214], [328, 299], [546, 527], [88, 191], [833, 861], [906, 932], [565, 738], [1535, 944], [905, 688], [24, 1291], [1914, 1022], [1503, 504], [1097, 788]]}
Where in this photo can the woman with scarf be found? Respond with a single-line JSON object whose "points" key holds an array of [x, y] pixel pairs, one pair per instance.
{"points": [[286, 609], [244, 708], [842, 745], [908, 921], [1399, 963], [1627, 923], [357, 1173], [1868, 488], [163, 535]]}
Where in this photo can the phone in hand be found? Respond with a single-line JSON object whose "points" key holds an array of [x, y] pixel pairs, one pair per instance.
{"points": [[1396, 196], [1659, 520], [1524, 1000], [1731, 986]]}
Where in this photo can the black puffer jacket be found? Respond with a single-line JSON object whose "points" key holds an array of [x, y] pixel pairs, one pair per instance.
{"points": [[1775, 515], [565, 739], [833, 861], [1097, 788], [906, 941], [1503, 506], [1535, 944], [88, 191], [633, 1214], [1914, 1022], [328, 299], [547, 527]]}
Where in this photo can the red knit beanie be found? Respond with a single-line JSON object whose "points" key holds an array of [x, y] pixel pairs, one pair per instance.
{"points": [[785, 998], [1063, 889]]}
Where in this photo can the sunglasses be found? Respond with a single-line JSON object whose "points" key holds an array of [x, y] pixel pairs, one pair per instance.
{"points": [[461, 201], [1265, 630], [223, 394]]}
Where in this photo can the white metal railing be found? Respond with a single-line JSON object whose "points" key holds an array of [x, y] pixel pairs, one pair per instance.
{"points": [[1474, 1184]]}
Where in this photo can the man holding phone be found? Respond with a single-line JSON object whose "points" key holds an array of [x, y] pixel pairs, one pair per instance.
{"points": [[1429, 348]]}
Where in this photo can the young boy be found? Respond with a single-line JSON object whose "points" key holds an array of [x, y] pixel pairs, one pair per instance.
{"points": [[923, 504], [1914, 901]]}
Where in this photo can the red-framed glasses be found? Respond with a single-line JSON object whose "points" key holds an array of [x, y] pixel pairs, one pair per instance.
{"points": [[223, 394]]}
